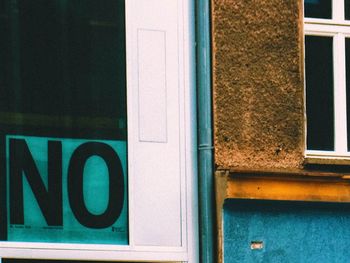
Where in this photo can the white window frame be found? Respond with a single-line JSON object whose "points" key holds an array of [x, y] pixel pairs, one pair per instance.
{"points": [[187, 250], [339, 29]]}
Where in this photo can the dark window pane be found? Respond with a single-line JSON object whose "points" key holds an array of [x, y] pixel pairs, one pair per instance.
{"points": [[65, 61], [347, 57], [4, 54], [319, 92], [347, 9], [318, 8]]}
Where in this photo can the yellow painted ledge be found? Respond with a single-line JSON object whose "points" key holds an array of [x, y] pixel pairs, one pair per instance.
{"points": [[298, 189], [302, 186]]}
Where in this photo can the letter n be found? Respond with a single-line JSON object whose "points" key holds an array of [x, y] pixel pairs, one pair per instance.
{"points": [[21, 164]]}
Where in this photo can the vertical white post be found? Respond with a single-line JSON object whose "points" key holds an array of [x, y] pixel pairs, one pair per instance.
{"points": [[338, 10], [340, 119], [161, 126]]}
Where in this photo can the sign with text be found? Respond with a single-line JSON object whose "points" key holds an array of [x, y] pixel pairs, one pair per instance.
{"points": [[66, 190]]}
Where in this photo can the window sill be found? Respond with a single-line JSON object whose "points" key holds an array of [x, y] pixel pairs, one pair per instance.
{"points": [[321, 157], [327, 160], [325, 21]]}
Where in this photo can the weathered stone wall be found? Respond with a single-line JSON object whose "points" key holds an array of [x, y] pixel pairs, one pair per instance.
{"points": [[258, 84]]}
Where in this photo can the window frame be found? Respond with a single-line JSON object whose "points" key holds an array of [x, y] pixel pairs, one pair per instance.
{"points": [[339, 29], [187, 250]]}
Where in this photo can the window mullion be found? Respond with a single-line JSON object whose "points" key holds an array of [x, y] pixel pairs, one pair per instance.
{"points": [[340, 120], [338, 10]]}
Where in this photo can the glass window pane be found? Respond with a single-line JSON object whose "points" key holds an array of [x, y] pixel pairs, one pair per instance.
{"points": [[347, 59], [347, 9], [67, 63], [319, 92], [318, 8], [63, 116], [4, 54]]}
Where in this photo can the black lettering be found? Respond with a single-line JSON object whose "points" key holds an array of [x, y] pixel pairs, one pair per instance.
{"points": [[75, 185], [50, 201]]}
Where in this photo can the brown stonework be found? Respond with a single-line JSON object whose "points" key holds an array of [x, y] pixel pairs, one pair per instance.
{"points": [[258, 84]]}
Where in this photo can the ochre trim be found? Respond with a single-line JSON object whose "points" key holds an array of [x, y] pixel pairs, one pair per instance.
{"points": [[288, 188]]}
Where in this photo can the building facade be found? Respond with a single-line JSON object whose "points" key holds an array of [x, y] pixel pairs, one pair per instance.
{"points": [[98, 131], [280, 71], [174, 130]]}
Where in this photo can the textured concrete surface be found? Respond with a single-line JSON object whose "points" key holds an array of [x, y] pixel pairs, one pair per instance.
{"points": [[258, 83]]}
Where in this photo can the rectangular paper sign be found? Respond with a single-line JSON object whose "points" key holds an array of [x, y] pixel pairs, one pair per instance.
{"points": [[66, 190]]}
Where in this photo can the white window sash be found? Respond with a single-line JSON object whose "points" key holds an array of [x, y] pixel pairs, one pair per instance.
{"points": [[338, 10], [326, 29], [340, 119], [339, 29]]}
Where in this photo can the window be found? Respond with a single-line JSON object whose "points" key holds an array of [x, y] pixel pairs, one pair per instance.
{"points": [[97, 139], [327, 78], [60, 95]]}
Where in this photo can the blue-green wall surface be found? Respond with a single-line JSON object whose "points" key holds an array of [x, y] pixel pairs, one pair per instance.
{"points": [[286, 231]]}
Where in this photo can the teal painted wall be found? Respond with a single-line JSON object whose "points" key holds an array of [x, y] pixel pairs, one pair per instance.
{"points": [[288, 231]]}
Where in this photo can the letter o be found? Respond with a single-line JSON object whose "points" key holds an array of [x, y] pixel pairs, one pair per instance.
{"points": [[75, 185]]}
